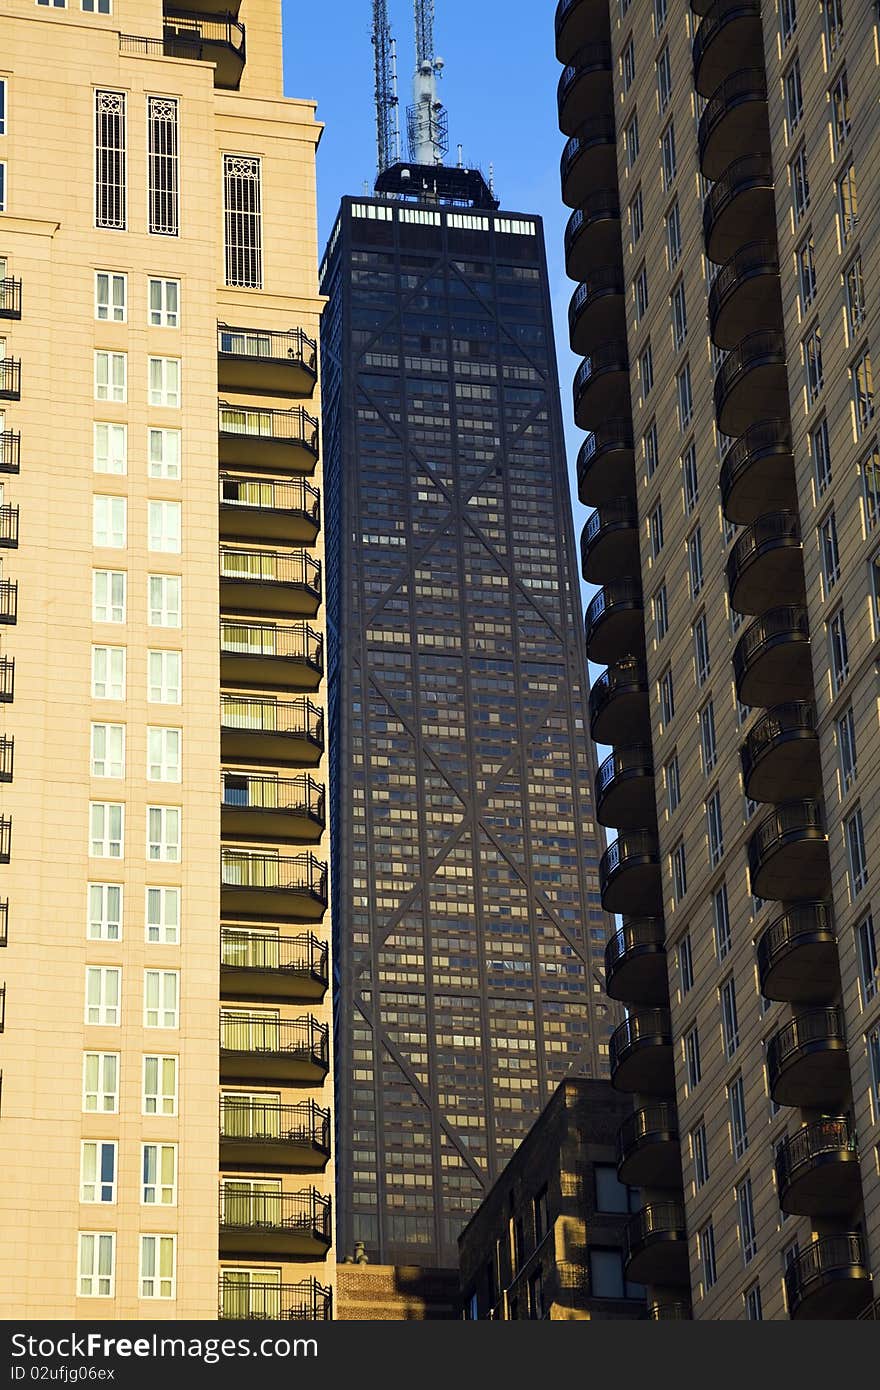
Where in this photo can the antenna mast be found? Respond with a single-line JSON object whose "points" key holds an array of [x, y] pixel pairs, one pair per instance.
{"points": [[427, 125], [385, 63]]}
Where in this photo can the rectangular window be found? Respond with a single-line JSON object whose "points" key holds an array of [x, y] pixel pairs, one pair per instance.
{"points": [[162, 916], [107, 750], [97, 1172], [706, 1242], [702, 665], [729, 1019], [669, 156], [856, 853], [110, 160], [814, 372], [721, 914], [164, 379], [110, 296], [111, 448], [631, 140], [673, 783], [692, 1057], [636, 217], [108, 673], [163, 191], [161, 998], [646, 371], [164, 451], [3, 186], [159, 1175], [847, 205], [87, 6], [690, 478], [833, 15], [679, 872], [640, 293], [656, 529], [806, 268], [748, 1234], [866, 944], [108, 596], [841, 121], [684, 396], [96, 1264], [673, 235], [667, 698], [839, 647], [660, 9], [649, 449], [109, 522], [799, 180], [846, 750], [4, 87], [862, 377], [111, 377], [164, 520], [700, 1154], [794, 97], [664, 80], [830, 551], [243, 221], [163, 600], [163, 677], [708, 741], [661, 613], [736, 1104], [752, 1301], [714, 828], [685, 963], [628, 64], [695, 561], [855, 296], [160, 1085], [787, 19], [874, 568], [105, 912], [873, 1045], [821, 451], [163, 834], [163, 754], [103, 988], [158, 1267], [164, 303], [106, 828], [100, 1083]]}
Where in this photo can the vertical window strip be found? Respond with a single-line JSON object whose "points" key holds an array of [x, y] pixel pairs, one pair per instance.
{"points": [[110, 160], [243, 221], [163, 200]]}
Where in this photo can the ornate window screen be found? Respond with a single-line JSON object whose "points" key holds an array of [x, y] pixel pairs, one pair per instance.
{"points": [[243, 220], [110, 160], [163, 168]]}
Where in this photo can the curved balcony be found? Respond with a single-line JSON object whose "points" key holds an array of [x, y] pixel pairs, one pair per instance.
{"points": [[670, 1312], [635, 962], [579, 22], [260, 964], [807, 1063], [255, 806], [286, 1225], [589, 160], [728, 38], [265, 1134], [625, 788], [266, 438], [10, 298], [629, 875], [619, 707], [605, 464], [641, 1055], [601, 385], [780, 756], [752, 383], [734, 119], [655, 1247], [788, 853], [595, 312], [817, 1169], [592, 235], [648, 1148], [269, 581], [765, 566], [269, 362], [610, 541], [797, 955], [772, 662], [10, 379], [255, 884], [745, 295], [740, 207], [614, 622], [584, 87], [241, 1298], [830, 1279], [285, 512], [262, 730], [10, 451], [260, 1047], [267, 654], [757, 473], [220, 40]]}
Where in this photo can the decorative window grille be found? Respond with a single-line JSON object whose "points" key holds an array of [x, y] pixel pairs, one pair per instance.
{"points": [[110, 160], [243, 220], [163, 167]]}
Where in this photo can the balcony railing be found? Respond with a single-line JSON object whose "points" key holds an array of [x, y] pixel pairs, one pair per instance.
{"points": [[2, 1011], [634, 846], [648, 1025], [241, 1300], [747, 84], [10, 377], [8, 524], [744, 175], [10, 451], [291, 495], [300, 873], [613, 357], [245, 1210], [306, 1124], [294, 426], [5, 839], [10, 298], [598, 130], [660, 1119], [8, 600], [7, 756], [7, 679], [296, 642], [768, 440], [4, 922], [258, 1034], [670, 1312], [299, 795], [642, 933], [623, 679], [592, 57], [250, 714], [790, 624], [601, 206], [808, 1147], [295, 567], [722, 13], [806, 925], [790, 822], [264, 345], [830, 1258], [620, 593], [296, 955], [793, 721], [815, 1026], [658, 1218]]}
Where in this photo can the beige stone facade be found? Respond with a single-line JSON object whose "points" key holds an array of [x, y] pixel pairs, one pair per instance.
{"points": [[396, 1293]]}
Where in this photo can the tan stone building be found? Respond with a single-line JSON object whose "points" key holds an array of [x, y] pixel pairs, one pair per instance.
{"points": [[724, 180], [164, 850]]}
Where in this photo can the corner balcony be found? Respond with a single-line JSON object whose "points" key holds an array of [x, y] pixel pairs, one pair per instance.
{"points": [[797, 955], [655, 1246], [578, 22], [807, 1062], [266, 361], [831, 1279], [592, 234], [757, 473], [648, 1148], [619, 706], [735, 118], [7, 679], [817, 1169], [8, 600], [220, 40], [772, 661], [629, 875], [263, 730], [260, 964], [788, 853], [285, 512], [606, 464], [261, 1048], [265, 438], [286, 1225], [635, 962], [10, 451], [596, 309], [765, 567], [589, 160], [8, 526], [615, 622], [625, 788], [752, 383], [729, 37], [740, 207], [256, 885], [257, 1134], [10, 298], [264, 654], [254, 806], [601, 385], [10, 379], [745, 296], [780, 756], [641, 1053], [269, 581], [243, 1297], [584, 87], [610, 541]]}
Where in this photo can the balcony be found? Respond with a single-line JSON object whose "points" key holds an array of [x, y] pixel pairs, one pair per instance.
{"points": [[788, 853], [4, 922], [772, 663], [765, 567], [8, 600], [220, 41], [734, 119], [807, 1062], [830, 1279], [780, 756], [752, 383], [584, 87], [817, 1170], [596, 309], [615, 622], [264, 730], [757, 473], [729, 37], [255, 885], [10, 379], [286, 1225], [276, 439], [7, 679], [285, 512], [269, 581], [641, 1055], [7, 757], [605, 464], [244, 1297], [619, 708], [635, 962], [10, 298], [629, 875], [256, 1134], [670, 1312], [10, 451], [262, 654], [740, 207], [601, 385], [797, 955], [268, 362], [589, 160], [259, 1047], [610, 541], [5, 839], [263, 965], [648, 1148], [579, 22], [8, 526], [272, 808], [592, 235], [625, 788], [655, 1247], [745, 295]]}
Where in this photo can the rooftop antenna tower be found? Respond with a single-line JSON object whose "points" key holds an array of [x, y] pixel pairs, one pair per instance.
{"points": [[427, 125], [385, 63]]}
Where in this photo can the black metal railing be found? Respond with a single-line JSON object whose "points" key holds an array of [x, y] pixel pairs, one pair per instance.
{"points": [[635, 760], [670, 1312], [8, 600], [604, 280], [657, 1218], [598, 130], [747, 84], [794, 720], [792, 821], [138, 46], [632, 937], [805, 1029], [612, 434], [769, 532], [722, 13], [300, 795], [617, 515], [304, 955], [871, 1313], [592, 57], [185, 32], [829, 1255], [305, 1124], [814, 1142], [629, 847], [612, 357], [10, 451], [661, 1118], [295, 567], [293, 426], [8, 524], [10, 298], [5, 839], [748, 172], [2, 1010], [7, 679], [294, 642], [268, 345], [646, 1025], [297, 873], [4, 921], [295, 1039], [789, 624], [7, 757], [243, 1301], [764, 348], [623, 678], [620, 593], [799, 924], [242, 1209], [767, 439], [291, 495], [595, 207], [755, 258], [251, 714], [10, 376]]}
